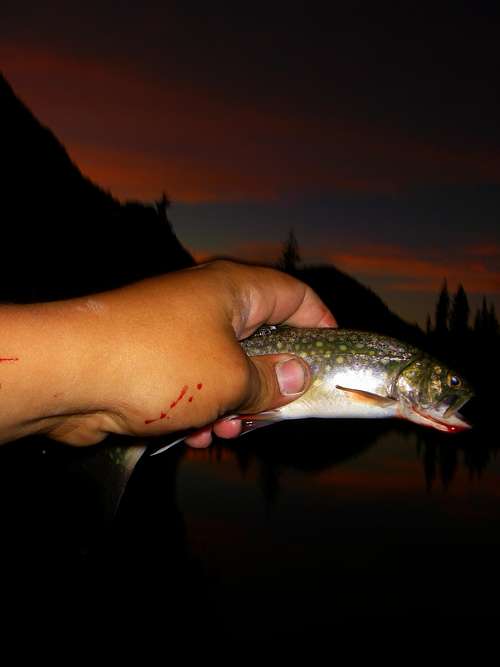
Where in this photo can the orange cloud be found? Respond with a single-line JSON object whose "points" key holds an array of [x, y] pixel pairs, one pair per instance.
{"points": [[137, 136], [406, 272], [138, 175], [401, 269]]}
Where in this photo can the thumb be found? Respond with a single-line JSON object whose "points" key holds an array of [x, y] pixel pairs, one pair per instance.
{"points": [[275, 380]]}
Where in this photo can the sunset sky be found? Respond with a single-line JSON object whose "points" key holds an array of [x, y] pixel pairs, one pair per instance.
{"points": [[374, 134]]}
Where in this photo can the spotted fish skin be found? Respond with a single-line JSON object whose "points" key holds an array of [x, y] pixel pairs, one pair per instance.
{"points": [[324, 349], [364, 374]]}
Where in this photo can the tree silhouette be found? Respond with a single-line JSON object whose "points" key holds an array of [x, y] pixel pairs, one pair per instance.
{"points": [[486, 324], [443, 311], [460, 311], [481, 319], [290, 255], [493, 325], [162, 205]]}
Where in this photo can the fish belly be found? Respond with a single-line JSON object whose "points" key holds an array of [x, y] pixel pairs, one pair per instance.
{"points": [[337, 405]]}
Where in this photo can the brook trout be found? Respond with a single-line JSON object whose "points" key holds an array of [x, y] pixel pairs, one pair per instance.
{"points": [[361, 375], [367, 375]]}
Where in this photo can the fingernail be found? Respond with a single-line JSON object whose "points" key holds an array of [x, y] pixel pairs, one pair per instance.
{"points": [[291, 376]]}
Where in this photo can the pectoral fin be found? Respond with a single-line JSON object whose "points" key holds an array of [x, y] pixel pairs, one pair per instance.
{"points": [[367, 397]]}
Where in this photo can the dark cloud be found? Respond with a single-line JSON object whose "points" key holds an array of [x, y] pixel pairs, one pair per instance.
{"points": [[431, 71]]}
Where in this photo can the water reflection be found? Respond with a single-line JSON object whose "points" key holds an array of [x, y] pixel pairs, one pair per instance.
{"points": [[299, 522], [321, 445], [443, 459], [394, 524]]}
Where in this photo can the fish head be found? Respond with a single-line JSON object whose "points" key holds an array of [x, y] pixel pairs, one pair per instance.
{"points": [[431, 394]]}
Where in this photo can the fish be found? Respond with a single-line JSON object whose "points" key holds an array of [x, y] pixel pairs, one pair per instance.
{"points": [[362, 375], [357, 374]]}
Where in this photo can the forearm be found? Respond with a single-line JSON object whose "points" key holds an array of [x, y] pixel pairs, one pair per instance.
{"points": [[113, 362], [41, 369]]}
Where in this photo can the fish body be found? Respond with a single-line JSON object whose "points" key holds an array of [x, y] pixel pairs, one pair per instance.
{"points": [[358, 374]]}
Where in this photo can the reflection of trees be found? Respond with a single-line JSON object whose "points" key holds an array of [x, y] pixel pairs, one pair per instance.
{"points": [[439, 460], [442, 458], [311, 445], [304, 445], [317, 445]]}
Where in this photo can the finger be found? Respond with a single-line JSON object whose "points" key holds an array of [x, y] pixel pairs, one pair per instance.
{"points": [[228, 428], [274, 381], [200, 439], [269, 296], [311, 312]]}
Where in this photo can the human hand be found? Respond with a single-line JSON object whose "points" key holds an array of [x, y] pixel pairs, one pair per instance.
{"points": [[162, 355]]}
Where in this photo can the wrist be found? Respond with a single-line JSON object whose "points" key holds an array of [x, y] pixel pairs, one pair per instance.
{"points": [[44, 377]]}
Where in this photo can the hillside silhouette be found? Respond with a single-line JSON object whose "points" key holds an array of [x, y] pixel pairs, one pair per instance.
{"points": [[356, 306], [62, 235]]}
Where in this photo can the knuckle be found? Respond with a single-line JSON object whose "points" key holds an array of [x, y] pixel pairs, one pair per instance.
{"points": [[260, 389], [220, 265], [242, 380]]}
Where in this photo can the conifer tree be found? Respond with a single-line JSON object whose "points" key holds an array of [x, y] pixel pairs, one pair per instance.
{"points": [[481, 319], [162, 205], [484, 315], [478, 329], [428, 325], [460, 311], [493, 325], [442, 311], [290, 255]]}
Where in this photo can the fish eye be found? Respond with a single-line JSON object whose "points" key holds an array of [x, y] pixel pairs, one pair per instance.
{"points": [[454, 381]]}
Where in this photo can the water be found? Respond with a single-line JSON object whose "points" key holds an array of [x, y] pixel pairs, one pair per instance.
{"points": [[399, 526], [288, 528]]}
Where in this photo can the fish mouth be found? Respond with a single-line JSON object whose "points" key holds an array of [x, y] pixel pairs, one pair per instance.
{"points": [[443, 417], [451, 421], [455, 405]]}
